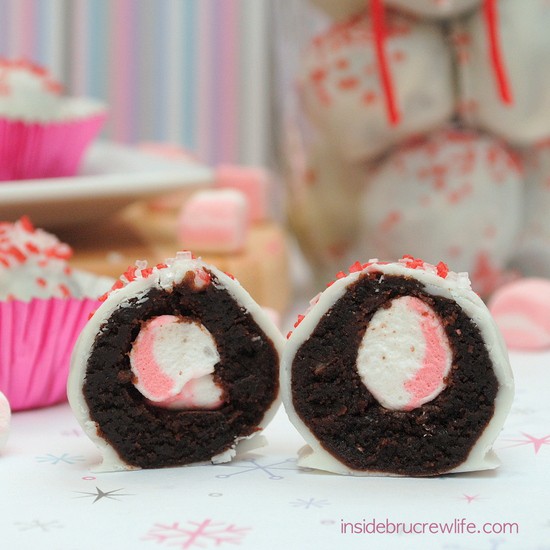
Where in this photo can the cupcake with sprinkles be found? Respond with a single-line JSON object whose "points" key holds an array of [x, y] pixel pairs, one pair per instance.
{"points": [[43, 133], [43, 306], [397, 369], [178, 366]]}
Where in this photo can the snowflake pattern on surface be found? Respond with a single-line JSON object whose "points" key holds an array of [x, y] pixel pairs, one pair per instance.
{"points": [[252, 465], [492, 544], [100, 494], [204, 534], [65, 458], [44, 526], [309, 503]]}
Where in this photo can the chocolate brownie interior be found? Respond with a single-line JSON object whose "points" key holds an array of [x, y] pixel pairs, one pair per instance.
{"points": [[147, 436], [330, 398]]}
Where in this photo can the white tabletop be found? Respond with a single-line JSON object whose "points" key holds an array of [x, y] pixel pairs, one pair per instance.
{"points": [[51, 500]]}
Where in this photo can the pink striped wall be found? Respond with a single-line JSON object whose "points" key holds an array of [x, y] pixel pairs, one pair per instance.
{"points": [[170, 70]]}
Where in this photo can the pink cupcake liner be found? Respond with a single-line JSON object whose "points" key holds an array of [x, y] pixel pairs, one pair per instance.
{"points": [[36, 342], [5, 417], [45, 150]]}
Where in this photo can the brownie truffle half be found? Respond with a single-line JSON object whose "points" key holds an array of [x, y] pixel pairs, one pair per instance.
{"points": [[178, 366], [397, 369]]}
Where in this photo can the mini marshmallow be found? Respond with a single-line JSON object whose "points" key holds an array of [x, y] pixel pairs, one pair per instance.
{"points": [[404, 356], [173, 360], [253, 182], [5, 418], [214, 221], [522, 312]]}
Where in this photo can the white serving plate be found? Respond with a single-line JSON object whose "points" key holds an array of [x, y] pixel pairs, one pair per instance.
{"points": [[111, 177]]}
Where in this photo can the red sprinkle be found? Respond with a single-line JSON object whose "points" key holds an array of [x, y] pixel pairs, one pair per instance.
{"points": [[32, 248], [289, 335], [27, 224], [118, 284], [340, 275], [442, 270], [299, 320], [146, 272], [357, 266], [41, 282], [17, 254], [65, 291], [130, 273], [161, 266], [230, 275], [55, 252], [414, 263], [203, 276]]}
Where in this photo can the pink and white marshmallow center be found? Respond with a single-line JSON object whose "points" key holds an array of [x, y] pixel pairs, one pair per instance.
{"points": [[173, 360], [405, 355]]}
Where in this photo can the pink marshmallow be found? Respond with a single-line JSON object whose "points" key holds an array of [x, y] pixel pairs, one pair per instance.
{"points": [[522, 312], [214, 221], [436, 362], [5, 417], [173, 361], [253, 182]]}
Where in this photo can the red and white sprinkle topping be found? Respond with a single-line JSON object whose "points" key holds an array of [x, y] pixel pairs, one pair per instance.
{"points": [[28, 91], [33, 263], [441, 270], [165, 273]]}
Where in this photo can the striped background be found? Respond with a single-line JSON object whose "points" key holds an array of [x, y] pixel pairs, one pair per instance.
{"points": [[191, 72]]}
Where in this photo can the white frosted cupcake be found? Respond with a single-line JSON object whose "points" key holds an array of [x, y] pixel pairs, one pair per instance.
{"points": [[43, 306], [42, 132]]}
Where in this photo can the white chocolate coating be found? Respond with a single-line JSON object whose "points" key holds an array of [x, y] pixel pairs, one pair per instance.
{"points": [[340, 87], [455, 287], [161, 278], [454, 196], [523, 43]]}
